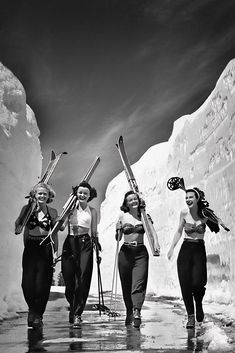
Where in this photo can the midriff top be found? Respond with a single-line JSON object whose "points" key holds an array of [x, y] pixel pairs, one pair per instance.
{"points": [[39, 227], [190, 228], [80, 221], [132, 228], [194, 229]]}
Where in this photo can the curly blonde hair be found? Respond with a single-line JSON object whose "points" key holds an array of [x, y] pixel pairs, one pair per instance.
{"points": [[45, 186]]}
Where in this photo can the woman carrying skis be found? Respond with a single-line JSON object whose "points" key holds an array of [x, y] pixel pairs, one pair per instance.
{"points": [[191, 262], [38, 259], [77, 254], [133, 257]]}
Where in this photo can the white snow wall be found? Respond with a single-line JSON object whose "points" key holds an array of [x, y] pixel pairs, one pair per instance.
{"points": [[20, 167], [201, 150]]}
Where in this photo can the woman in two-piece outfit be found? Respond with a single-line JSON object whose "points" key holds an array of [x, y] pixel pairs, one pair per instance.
{"points": [[191, 262], [38, 259], [133, 258]]}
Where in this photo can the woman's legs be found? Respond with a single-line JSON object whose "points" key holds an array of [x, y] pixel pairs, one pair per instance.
{"points": [[125, 265], [199, 279], [139, 277], [133, 270], [77, 266], [28, 278], [68, 268], [184, 266], [84, 274], [139, 282], [37, 278], [43, 278]]}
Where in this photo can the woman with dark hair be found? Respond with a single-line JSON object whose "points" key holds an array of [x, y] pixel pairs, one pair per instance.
{"points": [[77, 254], [191, 262], [38, 259], [133, 257]]}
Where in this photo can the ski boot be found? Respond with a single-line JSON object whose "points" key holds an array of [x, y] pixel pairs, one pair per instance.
{"points": [[137, 318], [191, 321], [77, 322], [37, 322]]}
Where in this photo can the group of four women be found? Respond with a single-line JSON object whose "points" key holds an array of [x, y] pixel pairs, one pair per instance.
{"points": [[77, 255]]}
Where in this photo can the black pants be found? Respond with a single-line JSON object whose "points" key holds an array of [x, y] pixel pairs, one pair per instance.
{"points": [[37, 275], [77, 266], [133, 270], [192, 272]]}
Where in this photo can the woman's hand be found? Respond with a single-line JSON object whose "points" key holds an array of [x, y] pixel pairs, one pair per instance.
{"points": [[119, 225], [99, 245], [170, 253], [55, 255], [142, 203]]}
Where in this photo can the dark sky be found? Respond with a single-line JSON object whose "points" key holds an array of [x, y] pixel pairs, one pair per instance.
{"points": [[97, 69]]}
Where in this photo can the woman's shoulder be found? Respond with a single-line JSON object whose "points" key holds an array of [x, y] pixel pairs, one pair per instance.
{"points": [[92, 209], [53, 211], [121, 216], [24, 207], [184, 212]]}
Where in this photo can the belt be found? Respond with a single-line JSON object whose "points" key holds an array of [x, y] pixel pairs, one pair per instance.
{"points": [[133, 243], [194, 240], [80, 236], [36, 237]]}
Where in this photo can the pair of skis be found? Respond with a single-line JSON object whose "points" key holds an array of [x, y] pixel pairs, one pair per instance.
{"points": [[32, 203], [146, 219], [71, 202]]}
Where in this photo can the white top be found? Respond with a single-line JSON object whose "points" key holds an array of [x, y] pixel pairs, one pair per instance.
{"points": [[81, 218]]}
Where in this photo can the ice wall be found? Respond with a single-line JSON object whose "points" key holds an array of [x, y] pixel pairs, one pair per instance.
{"points": [[20, 160], [200, 149]]}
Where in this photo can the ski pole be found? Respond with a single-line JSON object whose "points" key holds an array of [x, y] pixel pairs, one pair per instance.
{"points": [[115, 275]]}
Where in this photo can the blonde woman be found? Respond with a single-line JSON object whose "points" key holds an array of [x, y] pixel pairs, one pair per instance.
{"points": [[38, 259]]}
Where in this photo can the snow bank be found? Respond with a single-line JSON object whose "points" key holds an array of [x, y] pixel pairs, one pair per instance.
{"points": [[20, 159]]}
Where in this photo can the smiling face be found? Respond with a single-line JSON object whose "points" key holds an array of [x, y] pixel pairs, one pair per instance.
{"points": [[41, 195], [83, 194], [132, 201], [191, 199]]}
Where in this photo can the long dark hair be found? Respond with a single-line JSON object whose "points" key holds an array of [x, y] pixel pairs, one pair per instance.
{"points": [[124, 206], [202, 204], [93, 192]]}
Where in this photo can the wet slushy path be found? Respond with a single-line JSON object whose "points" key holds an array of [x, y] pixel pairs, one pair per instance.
{"points": [[162, 330]]}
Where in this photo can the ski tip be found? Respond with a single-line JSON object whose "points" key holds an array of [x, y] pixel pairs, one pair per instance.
{"points": [[53, 155], [120, 141]]}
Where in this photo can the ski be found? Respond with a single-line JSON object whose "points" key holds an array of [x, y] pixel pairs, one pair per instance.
{"points": [[32, 203], [146, 219], [71, 202], [51, 167]]}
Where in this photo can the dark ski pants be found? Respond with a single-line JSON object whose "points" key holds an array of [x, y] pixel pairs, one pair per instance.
{"points": [[192, 272], [133, 270], [37, 275], [77, 266]]}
